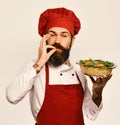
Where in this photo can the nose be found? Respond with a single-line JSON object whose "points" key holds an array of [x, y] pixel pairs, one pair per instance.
{"points": [[58, 39]]}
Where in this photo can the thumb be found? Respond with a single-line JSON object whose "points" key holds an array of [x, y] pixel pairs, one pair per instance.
{"points": [[92, 79]]}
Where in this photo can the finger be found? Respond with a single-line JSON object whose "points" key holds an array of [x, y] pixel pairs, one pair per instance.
{"points": [[101, 79], [98, 79], [44, 41], [51, 52], [41, 46], [50, 47], [106, 78], [109, 77], [46, 37], [41, 42], [92, 79]]}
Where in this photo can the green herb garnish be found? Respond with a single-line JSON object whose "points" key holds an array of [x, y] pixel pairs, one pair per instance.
{"points": [[97, 63]]}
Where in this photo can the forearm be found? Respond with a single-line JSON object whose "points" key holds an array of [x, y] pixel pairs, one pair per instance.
{"points": [[97, 97], [90, 106], [98, 86]]}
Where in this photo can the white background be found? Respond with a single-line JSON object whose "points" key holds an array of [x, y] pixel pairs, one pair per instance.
{"points": [[99, 38]]}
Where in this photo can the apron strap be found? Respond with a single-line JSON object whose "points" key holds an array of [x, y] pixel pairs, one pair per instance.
{"points": [[78, 78], [47, 74]]}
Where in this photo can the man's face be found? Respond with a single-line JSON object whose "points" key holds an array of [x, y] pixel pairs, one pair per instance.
{"points": [[62, 40]]}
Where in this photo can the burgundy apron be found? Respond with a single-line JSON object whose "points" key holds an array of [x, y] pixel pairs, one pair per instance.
{"points": [[62, 104]]}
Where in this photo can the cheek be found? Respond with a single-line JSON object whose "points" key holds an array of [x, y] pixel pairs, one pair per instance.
{"points": [[51, 41], [67, 44]]}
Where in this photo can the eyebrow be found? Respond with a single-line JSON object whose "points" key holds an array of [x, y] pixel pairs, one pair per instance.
{"points": [[51, 31], [56, 33]]}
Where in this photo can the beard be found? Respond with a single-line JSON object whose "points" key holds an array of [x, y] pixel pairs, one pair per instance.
{"points": [[60, 56]]}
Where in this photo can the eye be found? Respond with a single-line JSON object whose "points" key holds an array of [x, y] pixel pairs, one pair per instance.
{"points": [[64, 35], [52, 34]]}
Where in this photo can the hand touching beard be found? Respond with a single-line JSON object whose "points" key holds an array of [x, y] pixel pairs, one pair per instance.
{"points": [[60, 56]]}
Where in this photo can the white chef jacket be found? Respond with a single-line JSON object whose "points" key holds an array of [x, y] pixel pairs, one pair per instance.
{"points": [[34, 84]]}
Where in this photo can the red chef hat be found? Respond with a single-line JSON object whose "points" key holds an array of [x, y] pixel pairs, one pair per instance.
{"points": [[58, 17]]}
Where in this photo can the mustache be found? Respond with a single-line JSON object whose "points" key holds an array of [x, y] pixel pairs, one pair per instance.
{"points": [[57, 45]]}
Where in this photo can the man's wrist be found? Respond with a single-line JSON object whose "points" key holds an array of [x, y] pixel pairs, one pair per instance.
{"points": [[97, 91], [97, 97], [37, 67]]}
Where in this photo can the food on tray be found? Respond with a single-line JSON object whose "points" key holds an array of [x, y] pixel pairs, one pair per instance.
{"points": [[96, 67]]}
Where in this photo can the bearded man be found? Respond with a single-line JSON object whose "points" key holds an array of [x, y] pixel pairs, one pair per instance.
{"points": [[58, 90]]}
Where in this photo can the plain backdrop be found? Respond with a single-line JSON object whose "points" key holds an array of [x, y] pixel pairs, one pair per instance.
{"points": [[98, 38]]}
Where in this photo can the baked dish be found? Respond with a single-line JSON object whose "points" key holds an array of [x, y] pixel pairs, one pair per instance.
{"points": [[96, 67]]}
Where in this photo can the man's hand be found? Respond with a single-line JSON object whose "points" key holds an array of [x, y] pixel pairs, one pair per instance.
{"points": [[98, 86], [43, 55]]}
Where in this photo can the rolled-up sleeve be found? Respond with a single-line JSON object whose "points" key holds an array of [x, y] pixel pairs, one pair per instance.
{"points": [[90, 109]]}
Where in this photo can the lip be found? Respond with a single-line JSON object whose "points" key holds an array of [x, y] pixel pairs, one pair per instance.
{"points": [[59, 50]]}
